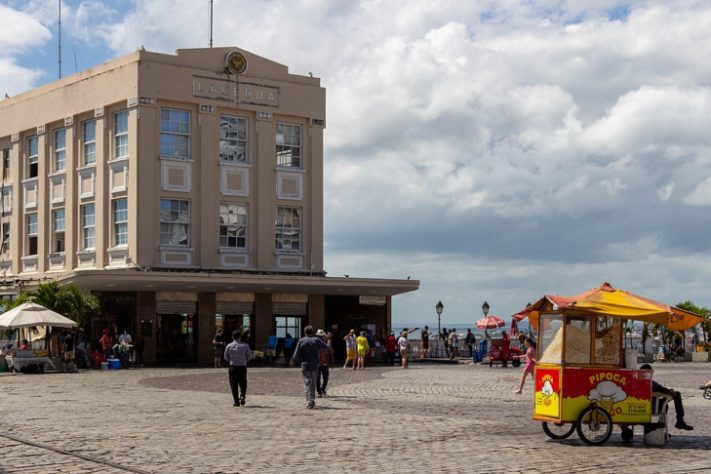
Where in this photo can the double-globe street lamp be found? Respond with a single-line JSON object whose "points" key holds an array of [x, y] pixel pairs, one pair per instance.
{"points": [[439, 307], [484, 343]]}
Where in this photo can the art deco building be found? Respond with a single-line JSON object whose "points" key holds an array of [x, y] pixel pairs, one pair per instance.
{"points": [[186, 192]]}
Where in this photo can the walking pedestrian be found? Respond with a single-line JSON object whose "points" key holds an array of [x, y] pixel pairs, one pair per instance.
{"points": [[505, 349], [390, 346], [306, 355], [218, 347], [530, 357], [404, 346], [325, 360], [237, 354], [107, 343], [351, 351], [470, 340], [362, 347], [453, 344], [288, 348], [425, 342]]}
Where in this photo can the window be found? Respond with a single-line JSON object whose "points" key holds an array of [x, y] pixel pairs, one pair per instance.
{"points": [[121, 134], [5, 237], [288, 145], [33, 157], [578, 333], [5, 163], [60, 141], [550, 338], [287, 325], [175, 133], [288, 228], [174, 222], [608, 340], [233, 226], [89, 138], [87, 226], [233, 139], [32, 234], [119, 210], [58, 230]]}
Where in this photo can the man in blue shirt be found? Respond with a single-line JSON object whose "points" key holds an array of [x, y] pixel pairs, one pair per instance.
{"points": [[678, 406], [237, 354], [306, 354]]}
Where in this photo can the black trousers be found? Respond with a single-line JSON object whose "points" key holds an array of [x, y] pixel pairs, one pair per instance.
{"points": [[678, 406], [322, 379], [238, 382]]}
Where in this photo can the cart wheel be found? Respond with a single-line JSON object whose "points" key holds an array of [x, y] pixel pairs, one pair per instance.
{"points": [[558, 430], [516, 362], [627, 434], [594, 425], [707, 394]]}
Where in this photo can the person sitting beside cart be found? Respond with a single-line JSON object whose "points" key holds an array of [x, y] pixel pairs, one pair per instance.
{"points": [[676, 396]]}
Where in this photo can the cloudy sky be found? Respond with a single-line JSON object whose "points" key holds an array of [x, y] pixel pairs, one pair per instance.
{"points": [[494, 150]]}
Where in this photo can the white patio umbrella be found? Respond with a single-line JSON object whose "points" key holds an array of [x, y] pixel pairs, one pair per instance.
{"points": [[32, 314]]}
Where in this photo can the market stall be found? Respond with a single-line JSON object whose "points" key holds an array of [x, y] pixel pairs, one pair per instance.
{"points": [[29, 315], [582, 380]]}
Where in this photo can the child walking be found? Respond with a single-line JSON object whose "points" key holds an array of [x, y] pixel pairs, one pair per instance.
{"points": [[530, 362]]}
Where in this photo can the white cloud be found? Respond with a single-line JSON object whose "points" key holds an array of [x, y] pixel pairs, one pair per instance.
{"points": [[15, 78], [495, 150], [20, 32], [701, 195]]}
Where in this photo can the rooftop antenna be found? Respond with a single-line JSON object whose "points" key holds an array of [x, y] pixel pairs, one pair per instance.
{"points": [[211, 4], [59, 42], [76, 67]]}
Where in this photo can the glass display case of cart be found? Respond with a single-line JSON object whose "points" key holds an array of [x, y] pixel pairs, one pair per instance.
{"points": [[590, 339]]}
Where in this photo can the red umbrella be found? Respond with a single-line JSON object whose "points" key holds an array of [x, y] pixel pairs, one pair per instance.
{"points": [[490, 322]]}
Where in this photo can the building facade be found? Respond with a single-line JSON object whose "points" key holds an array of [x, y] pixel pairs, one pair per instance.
{"points": [[186, 192]]}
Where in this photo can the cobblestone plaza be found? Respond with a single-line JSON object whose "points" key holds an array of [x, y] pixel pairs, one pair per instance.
{"points": [[430, 418]]}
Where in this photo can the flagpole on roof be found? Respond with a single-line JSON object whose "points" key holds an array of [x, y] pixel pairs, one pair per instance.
{"points": [[211, 5], [59, 40]]}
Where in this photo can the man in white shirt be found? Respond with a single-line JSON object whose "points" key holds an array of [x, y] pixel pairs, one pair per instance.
{"points": [[125, 337], [237, 354]]}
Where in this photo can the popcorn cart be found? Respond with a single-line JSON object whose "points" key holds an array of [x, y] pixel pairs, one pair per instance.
{"points": [[582, 381]]}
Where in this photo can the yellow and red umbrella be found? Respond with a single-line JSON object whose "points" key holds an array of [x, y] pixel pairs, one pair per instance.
{"points": [[610, 301]]}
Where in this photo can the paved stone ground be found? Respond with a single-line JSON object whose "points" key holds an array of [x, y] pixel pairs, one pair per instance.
{"points": [[426, 419]]}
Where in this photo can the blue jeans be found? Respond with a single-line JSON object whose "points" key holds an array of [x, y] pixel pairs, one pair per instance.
{"points": [[309, 384]]}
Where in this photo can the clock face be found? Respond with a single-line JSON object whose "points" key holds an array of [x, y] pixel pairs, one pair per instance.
{"points": [[236, 62]]}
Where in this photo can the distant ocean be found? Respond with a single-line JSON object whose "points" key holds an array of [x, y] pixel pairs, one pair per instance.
{"points": [[460, 328]]}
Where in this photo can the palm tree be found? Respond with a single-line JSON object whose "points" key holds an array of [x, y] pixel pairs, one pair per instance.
{"points": [[77, 304], [70, 301]]}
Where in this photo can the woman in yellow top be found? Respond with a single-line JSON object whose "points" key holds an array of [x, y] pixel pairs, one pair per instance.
{"points": [[362, 346]]}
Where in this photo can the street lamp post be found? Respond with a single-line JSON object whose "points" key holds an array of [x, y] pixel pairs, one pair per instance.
{"points": [[485, 342], [439, 307]]}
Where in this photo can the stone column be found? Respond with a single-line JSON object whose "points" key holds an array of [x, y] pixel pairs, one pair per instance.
{"points": [[146, 315], [262, 319], [205, 327], [317, 311]]}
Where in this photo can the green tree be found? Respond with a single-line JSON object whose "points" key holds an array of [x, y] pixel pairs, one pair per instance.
{"points": [[704, 313], [77, 304]]}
